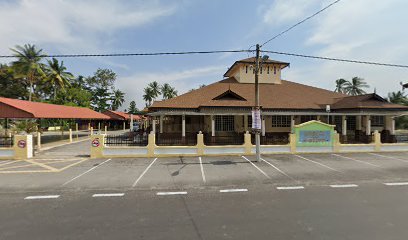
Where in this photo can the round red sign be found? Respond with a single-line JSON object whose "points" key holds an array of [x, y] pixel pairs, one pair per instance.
{"points": [[95, 142], [21, 143]]}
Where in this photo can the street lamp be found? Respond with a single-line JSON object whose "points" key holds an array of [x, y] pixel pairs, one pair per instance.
{"points": [[328, 113]]}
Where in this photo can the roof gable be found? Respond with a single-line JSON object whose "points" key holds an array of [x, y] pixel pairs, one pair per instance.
{"points": [[229, 95]]}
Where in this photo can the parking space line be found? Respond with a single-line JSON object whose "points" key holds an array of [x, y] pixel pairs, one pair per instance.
{"points": [[9, 162], [143, 173], [170, 193], [80, 175], [42, 197], [202, 169], [396, 184], [233, 190], [108, 195], [71, 165], [398, 159], [42, 165], [266, 175], [321, 164], [291, 188], [343, 185], [356, 160], [277, 169]]}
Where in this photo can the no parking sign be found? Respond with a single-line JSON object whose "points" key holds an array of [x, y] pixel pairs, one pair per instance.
{"points": [[95, 142], [21, 144]]}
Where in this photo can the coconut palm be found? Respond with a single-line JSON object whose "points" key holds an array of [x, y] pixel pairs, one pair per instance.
{"points": [[398, 98], [155, 89], [118, 98], [57, 75], [355, 86], [168, 91], [148, 96], [340, 85], [28, 65]]}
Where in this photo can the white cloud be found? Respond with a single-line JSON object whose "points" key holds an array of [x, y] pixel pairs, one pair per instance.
{"points": [[287, 11]]}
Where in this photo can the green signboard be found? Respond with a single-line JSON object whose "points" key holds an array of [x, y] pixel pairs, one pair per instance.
{"points": [[314, 134]]}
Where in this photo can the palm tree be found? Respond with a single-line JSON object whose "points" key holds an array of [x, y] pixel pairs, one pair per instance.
{"points": [[118, 98], [57, 75], [168, 91], [355, 87], [155, 89], [28, 65], [398, 98], [340, 85], [148, 96]]}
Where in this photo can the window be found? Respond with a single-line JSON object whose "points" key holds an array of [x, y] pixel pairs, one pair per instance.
{"points": [[351, 122], [224, 123], [268, 70], [281, 121], [261, 70], [246, 69], [249, 121], [377, 121], [274, 70], [307, 118]]}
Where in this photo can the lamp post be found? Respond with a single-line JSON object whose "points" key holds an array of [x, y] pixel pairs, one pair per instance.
{"points": [[328, 113]]}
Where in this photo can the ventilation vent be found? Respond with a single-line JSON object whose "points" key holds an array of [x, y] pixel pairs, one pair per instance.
{"points": [[229, 95]]}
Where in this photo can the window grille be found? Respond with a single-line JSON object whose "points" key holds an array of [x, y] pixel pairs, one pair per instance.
{"points": [[377, 121], [307, 118], [281, 121], [249, 121], [224, 123], [351, 122]]}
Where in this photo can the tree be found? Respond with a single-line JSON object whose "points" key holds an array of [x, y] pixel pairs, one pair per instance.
{"points": [[118, 98], [398, 98], [340, 85], [10, 86], [168, 91], [355, 86], [155, 89], [28, 65], [57, 75], [132, 107], [101, 85], [148, 96]]}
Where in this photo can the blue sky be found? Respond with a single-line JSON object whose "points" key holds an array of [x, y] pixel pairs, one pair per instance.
{"points": [[355, 29]]}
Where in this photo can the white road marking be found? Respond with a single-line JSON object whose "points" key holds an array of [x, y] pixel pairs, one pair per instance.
{"points": [[321, 164], [42, 197], [277, 169], [344, 186], [356, 160], [9, 162], [234, 190], [108, 195], [202, 169], [170, 193], [398, 159], [396, 184], [143, 173], [290, 188], [266, 175], [80, 175]]}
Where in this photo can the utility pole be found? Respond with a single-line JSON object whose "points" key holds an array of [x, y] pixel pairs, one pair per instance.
{"points": [[257, 108]]}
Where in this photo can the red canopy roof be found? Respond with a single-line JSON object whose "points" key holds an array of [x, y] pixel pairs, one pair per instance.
{"points": [[117, 115], [14, 108]]}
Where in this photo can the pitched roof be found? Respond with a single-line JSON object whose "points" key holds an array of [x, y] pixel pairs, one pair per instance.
{"points": [[371, 101], [117, 115], [251, 60], [14, 108], [284, 96]]}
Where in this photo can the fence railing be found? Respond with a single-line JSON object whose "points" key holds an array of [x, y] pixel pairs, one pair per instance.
{"points": [[402, 138], [127, 139], [229, 139], [6, 141], [175, 139], [356, 139], [272, 139]]}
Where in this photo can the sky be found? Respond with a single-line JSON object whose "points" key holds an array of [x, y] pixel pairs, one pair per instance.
{"points": [[353, 29]]}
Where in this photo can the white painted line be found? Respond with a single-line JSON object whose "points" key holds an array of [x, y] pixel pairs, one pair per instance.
{"points": [[266, 175], [356, 160], [108, 195], [277, 169], [394, 158], [290, 188], [143, 173], [42, 197], [80, 175], [321, 164], [397, 184], [170, 193], [202, 169], [234, 190], [344, 186]]}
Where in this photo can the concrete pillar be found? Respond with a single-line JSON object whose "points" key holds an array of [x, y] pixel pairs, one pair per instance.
{"points": [[392, 131], [154, 126], [106, 129], [99, 126], [318, 117], [358, 123], [247, 143], [263, 127], [161, 123], [246, 123], [212, 125], [368, 125], [200, 143], [124, 125], [70, 135], [344, 125], [292, 124], [97, 145], [183, 126], [131, 122], [38, 140], [76, 130], [89, 126], [91, 130], [23, 146]]}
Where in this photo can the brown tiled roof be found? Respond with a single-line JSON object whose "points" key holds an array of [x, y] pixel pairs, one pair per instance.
{"points": [[14, 108], [285, 96], [252, 61], [371, 101], [117, 115]]}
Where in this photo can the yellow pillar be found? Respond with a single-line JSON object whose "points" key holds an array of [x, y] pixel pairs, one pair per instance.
{"points": [[106, 129], [292, 142], [23, 146], [97, 145], [76, 130], [200, 144], [151, 144], [70, 135], [247, 143], [336, 143], [38, 140], [91, 131], [377, 140]]}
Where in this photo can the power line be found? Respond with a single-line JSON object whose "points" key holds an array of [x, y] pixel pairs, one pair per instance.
{"points": [[338, 59], [134, 54], [298, 23]]}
